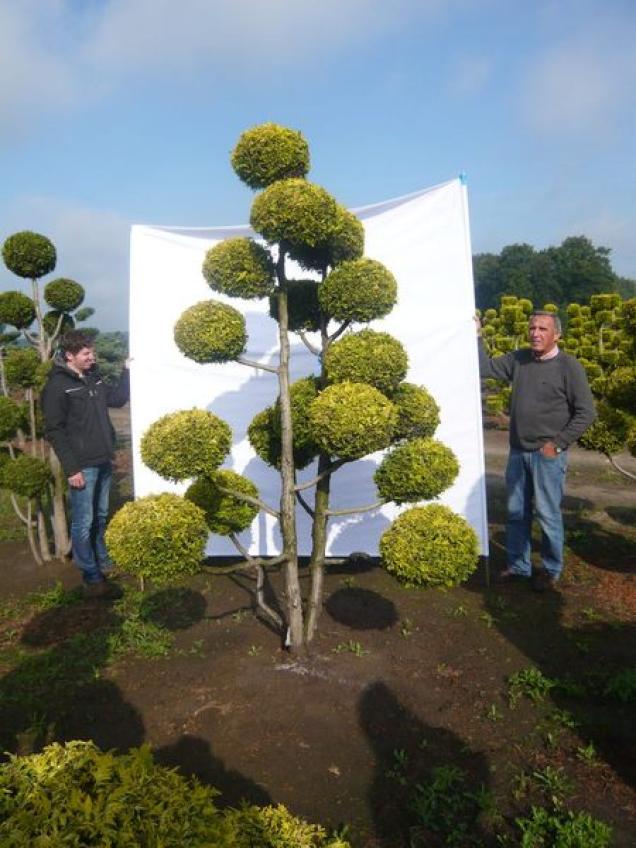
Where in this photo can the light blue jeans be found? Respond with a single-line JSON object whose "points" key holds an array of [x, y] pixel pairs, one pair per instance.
{"points": [[89, 515], [534, 480]]}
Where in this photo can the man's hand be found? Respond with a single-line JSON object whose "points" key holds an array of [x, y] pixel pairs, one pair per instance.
{"points": [[549, 449], [77, 481]]}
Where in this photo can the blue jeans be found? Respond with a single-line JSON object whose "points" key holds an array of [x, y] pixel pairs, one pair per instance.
{"points": [[89, 515], [533, 477]]}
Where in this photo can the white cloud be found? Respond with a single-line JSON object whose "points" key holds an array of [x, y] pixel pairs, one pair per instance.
{"points": [[92, 248]]}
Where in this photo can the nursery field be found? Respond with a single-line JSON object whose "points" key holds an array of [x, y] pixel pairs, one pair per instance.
{"points": [[421, 718]]}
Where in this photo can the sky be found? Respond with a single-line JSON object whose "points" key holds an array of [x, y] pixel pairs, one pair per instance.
{"points": [[121, 112]]}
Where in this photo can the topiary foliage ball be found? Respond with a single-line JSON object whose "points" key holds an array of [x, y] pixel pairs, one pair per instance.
{"points": [[295, 212], [303, 308], [263, 438], [224, 513], [211, 331], [347, 242], [269, 152], [29, 254], [430, 546], [351, 420], [52, 318], [609, 432], [418, 470], [187, 444], [360, 290], [159, 537], [63, 295], [26, 475], [21, 366], [239, 267], [620, 388], [11, 418], [264, 432], [418, 412], [367, 357], [16, 309]]}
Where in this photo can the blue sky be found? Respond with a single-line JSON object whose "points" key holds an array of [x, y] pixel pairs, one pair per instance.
{"points": [[114, 112]]}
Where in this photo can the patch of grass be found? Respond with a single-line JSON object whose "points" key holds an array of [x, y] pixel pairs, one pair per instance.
{"points": [[137, 633], [460, 611], [621, 685], [407, 628], [446, 807], [399, 766], [587, 754], [350, 647], [562, 829], [493, 713], [57, 596], [11, 528], [530, 683], [254, 650]]}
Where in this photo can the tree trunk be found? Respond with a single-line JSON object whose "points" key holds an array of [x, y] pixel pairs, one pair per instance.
{"points": [[288, 478], [318, 547], [58, 517]]}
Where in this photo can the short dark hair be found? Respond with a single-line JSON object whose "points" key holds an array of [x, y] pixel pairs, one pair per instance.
{"points": [[75, 340], [553, 315]]}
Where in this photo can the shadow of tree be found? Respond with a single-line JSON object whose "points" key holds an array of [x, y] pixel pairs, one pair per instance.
{"points": [[361, 609]]}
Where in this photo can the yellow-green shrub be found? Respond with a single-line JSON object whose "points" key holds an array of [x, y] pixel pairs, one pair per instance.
{"points": [[269, 152], [359, 290], [211, 331], [21, 367], [303, 308], [26, 475], [158, 537], [418, 470], [351, 420], [418, 412], [11, 418], [295, 212], [369, 357], [224, 513], [239, 267], [181, 445], [430, 546]]}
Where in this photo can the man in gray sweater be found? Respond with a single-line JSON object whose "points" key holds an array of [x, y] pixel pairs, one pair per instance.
{"points": [[551, 407]]}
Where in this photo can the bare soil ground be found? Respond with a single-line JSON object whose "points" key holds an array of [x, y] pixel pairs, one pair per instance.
{"points": [[399, 681]]}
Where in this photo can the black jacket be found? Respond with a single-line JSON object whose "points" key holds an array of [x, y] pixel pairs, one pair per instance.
{"points": [[76, 419]]}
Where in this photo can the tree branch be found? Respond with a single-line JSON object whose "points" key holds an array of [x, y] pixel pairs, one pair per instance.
{"points": [[354, 510], [250, 500], [310, 347], [310, 512], [260, 365], [300, 487], [339, 331]]}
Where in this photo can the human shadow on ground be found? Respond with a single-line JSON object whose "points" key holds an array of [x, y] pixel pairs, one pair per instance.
{"points": [[58, 694], [407, 752], [194, 757]]}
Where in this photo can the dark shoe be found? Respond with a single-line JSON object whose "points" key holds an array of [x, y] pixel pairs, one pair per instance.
{"points": [[543, 582], [96, 590], [510, 576]]}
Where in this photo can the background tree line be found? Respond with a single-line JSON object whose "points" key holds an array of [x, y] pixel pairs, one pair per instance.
{"points": [[570, 273]]}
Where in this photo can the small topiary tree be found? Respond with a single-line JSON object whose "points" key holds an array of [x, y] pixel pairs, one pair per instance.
{"points": [[23, 371], [356, 402]]}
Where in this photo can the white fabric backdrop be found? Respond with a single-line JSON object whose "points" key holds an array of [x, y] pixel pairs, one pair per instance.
{"points": [[424, 240]]}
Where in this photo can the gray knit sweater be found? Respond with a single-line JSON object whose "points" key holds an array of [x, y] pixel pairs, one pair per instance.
{"points": [[551, 400]]}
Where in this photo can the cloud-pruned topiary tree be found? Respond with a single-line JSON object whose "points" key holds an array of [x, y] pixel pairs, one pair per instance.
{"points": [[355, 404], [23, 371]]}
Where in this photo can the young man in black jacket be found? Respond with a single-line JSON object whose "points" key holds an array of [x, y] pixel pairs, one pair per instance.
{"points": [[77, 425]]}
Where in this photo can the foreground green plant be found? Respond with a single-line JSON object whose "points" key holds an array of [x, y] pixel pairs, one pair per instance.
{"points": [[528, 682], [74, 794], [556, 828]]}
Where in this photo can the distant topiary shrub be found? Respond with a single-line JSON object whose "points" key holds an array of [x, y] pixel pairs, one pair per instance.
{"points": [[52, 317], [350, 420], [418, 470], [418, 412], [63, 295], [21, 366], [10, 418], [16, 309], [182, 445], [609, 432], [26, 475], [269, 152], [75, 795], [631, 441], [29, 254], [620, 388], [367, 357], [359, 290], [302, 305], [295, 212], [211, 331], [430, 546], [159, 537], [224, 513], [239, 267]]}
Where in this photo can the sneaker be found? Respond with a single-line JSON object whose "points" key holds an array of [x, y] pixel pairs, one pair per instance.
{"points": [[510, 576], [543, 582]]}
